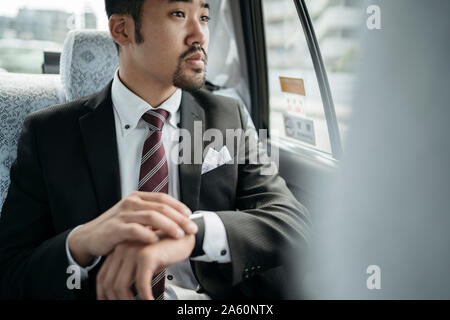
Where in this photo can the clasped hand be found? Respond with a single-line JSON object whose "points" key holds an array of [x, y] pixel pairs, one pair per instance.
{"points": [[137, 263], [139, 237]]}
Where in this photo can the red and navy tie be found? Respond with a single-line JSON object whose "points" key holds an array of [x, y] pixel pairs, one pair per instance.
{"points": [[154, 174]]}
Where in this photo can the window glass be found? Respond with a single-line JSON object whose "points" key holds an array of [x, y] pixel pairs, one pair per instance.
{"points": [[337, 24], [29, 27], [296, 109], [224, 67]]}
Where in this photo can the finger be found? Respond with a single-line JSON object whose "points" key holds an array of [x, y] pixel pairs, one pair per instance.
{"points": [[165, 199], [135, 203], [182, 221], [111, 274], [100, 279], [125, 277], [144, 274], [136, 232], [160, 221]]}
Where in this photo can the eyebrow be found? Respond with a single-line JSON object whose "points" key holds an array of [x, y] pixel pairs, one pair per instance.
{"points": [[203, 4]]}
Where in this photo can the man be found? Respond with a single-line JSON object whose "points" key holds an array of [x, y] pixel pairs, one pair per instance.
{"points": [[96, 185]]}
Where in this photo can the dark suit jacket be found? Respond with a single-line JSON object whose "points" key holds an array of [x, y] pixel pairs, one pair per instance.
{"points": [[67, 173]]}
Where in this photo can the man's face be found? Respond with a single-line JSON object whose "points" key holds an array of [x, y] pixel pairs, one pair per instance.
{"points": [[176, 38]]}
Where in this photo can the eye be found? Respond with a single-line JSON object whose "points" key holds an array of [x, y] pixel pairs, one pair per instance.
{"points": [[178, 14], [206, 18]]}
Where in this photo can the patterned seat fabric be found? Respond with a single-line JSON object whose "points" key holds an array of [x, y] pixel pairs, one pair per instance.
{"points": [[20, 95], [88, 62]]}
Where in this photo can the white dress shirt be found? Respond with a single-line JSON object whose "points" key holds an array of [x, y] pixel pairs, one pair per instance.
{"points": [[131, 133]]}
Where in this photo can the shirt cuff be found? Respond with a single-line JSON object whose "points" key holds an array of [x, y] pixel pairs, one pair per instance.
{"points": [[83, 271], [215, 242]]}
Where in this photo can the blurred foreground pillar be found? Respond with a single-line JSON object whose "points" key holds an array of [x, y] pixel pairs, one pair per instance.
{"points": [[389, 209]]}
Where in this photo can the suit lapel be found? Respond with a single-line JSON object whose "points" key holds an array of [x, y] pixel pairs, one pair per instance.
{"points": [[190, 174], [99, 136]]}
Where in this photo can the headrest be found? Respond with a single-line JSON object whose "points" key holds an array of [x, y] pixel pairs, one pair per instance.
{"points": [[88, 62]]}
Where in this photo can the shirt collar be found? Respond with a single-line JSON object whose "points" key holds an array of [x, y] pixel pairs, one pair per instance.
{"points": [[130, 107]]}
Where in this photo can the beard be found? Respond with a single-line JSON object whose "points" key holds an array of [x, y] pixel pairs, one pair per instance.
{"points": [[184, 79]]}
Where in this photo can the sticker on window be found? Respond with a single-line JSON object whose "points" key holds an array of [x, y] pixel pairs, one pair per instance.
{"points": [[299, 128], [294, 92]]}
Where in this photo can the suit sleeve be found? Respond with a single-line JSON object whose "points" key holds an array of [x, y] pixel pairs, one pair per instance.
{"points": [[33, 262], [268, 226]]}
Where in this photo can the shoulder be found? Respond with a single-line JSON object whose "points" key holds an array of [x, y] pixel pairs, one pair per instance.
{"points": [[209, 100], [62, 114], [216, 106], [69, 109]]}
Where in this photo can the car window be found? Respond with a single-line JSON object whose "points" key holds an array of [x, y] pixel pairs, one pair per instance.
{"points": [[337, 25], [296, 107], [297, 113], [29, 27]]}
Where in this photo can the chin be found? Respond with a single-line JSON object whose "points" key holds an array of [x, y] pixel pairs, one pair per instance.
{"points": [[190, 82], [191, 86]]}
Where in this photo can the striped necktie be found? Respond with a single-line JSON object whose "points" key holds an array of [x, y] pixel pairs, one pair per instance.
{"points": [[154, 175]]}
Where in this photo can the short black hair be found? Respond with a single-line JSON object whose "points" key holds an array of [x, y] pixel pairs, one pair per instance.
{"points": [[130, 7]]}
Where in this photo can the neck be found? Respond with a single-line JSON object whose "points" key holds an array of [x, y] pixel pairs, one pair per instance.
{"points": [[145, 86]]}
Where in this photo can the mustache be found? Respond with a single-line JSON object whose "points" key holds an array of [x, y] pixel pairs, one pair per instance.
{"points": [[193, 50]]}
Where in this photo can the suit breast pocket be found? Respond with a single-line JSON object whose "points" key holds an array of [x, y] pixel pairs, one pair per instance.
{"points": [[218, 189]]}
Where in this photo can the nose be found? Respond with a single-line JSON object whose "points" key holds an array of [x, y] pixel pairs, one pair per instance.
{"points": [[198, 32]]}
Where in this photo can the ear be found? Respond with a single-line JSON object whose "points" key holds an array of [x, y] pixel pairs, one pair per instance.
{"points": [[120, 29]]}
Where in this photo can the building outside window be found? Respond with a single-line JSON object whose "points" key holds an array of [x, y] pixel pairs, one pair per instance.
{"points": [[28, 27]]}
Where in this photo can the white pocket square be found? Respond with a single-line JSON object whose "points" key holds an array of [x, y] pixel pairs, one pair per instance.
{"points": [[215, 159]]}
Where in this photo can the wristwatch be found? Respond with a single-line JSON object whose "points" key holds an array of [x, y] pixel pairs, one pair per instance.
{"points": [[198, 249]]}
